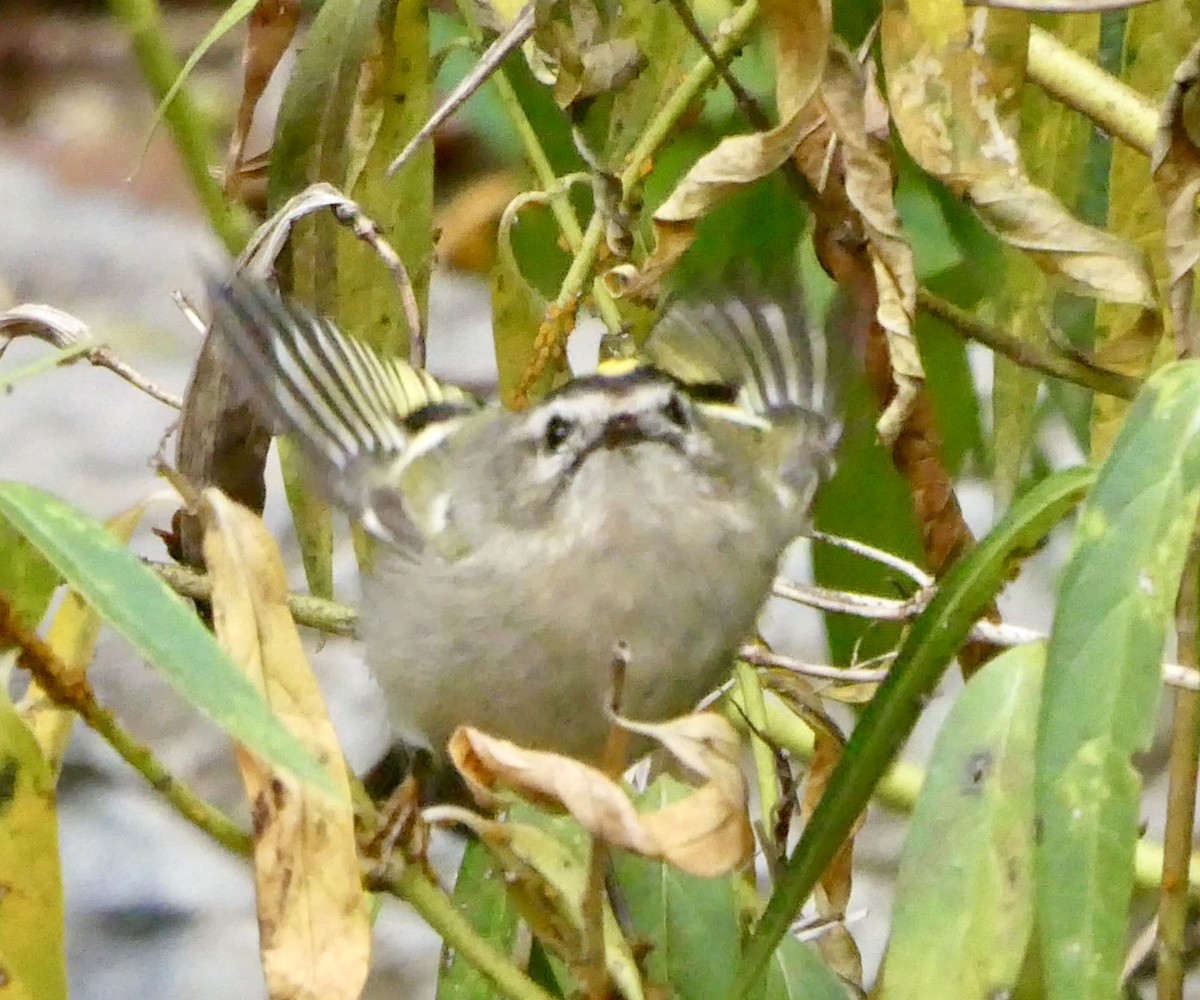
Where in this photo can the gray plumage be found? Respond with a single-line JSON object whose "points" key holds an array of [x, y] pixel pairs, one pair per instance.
{"points": [[649, 507]]}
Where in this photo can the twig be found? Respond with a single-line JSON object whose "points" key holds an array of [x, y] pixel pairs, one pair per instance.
{"points": [[315, 612], [51, 675], [348, 213], [74, 339], [909, 569], [340, 619], [1181, 792], [750, 108], [512, 38], [730, 37], [1026, 353], [890, 609], [759, 657], [560, 206]]}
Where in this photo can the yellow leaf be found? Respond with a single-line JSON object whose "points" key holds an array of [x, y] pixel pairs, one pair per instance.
{"points": [[315, 936]]}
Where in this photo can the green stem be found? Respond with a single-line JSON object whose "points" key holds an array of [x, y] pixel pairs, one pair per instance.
{"points": [[748, 697], [560, 203], [51, 675], [731, 37], [1026, 353], [1080, 84], [143, 22]]}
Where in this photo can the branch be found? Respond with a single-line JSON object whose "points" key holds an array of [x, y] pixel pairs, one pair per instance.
{"points": [[50, 673], [1027, 354]]}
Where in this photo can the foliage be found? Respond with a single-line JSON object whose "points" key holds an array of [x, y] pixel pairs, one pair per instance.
{"points": [[938, 174]]}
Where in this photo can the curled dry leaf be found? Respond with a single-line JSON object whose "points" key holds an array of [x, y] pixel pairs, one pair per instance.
{"points": [[801, 31], [315, 937], [948, 119], [707, 833], [1176, 166]]}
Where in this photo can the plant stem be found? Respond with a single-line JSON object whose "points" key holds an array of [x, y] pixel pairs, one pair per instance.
{"points": [[419, 891], [748, 698], [1026, 353], [1181, 793], [560, 203], [1080, 84], [729, 39], [51, 675], [143, 22]]}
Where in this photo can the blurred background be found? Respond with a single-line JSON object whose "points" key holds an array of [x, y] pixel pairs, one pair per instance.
{"points": [[99, 220]]}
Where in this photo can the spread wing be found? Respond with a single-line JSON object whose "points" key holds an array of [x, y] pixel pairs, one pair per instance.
{"points": [[756, 358], [358, 417]]}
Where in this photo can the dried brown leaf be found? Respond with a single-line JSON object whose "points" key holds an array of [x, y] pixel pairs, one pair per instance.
{"points": [[706, 834], [314, 933], [269, 32]]}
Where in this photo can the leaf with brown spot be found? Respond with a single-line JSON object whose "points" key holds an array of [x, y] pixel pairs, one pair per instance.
{"points": [[707, 833], [952, 124], [315, 937]]}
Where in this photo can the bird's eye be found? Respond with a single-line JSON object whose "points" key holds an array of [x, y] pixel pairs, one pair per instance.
{"points": [[558, 429], [675, 410]]}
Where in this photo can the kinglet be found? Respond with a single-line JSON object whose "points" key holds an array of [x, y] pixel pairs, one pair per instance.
{"points": [[647, 506]]}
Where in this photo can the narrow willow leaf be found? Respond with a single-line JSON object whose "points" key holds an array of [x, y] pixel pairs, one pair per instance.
{"points": [[1116, 602], [796, 972], [482, 898], [156, 621], [963, 915], [965, 591], [691, 922], [33, 961], [72, 635]]}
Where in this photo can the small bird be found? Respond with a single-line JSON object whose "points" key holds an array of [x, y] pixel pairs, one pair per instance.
{"points": [[647, 505]]}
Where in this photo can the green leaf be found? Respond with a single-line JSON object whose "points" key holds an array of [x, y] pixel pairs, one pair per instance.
{"points": [[481, 897], [963, 913], [32, 957], [796, 972], [25, 576], [157, 622], [936, 635], [1116, 602], [690, 922]]}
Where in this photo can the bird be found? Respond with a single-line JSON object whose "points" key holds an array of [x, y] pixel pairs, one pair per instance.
{"points": [[643, 507]]}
